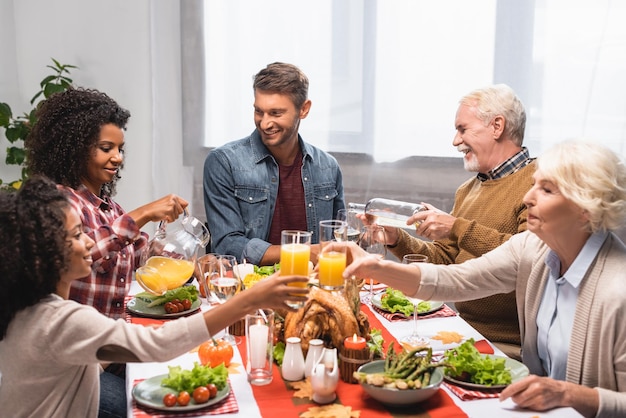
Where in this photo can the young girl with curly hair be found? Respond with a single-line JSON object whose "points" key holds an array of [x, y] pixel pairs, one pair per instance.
{"points": [[78, 141], [51, 347]]}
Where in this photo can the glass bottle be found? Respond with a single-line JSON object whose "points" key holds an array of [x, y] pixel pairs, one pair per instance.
{"points": [[293, 361], [316, 347], [356, 207], [390, 212]]}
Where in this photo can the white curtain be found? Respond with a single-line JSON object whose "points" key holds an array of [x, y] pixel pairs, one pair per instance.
{"points": [[386, 76]]}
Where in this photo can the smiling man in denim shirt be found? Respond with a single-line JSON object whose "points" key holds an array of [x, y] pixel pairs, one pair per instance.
{"points": [[271, 180]]}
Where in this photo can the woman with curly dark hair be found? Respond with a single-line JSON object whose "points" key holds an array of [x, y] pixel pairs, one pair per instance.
{"points": [[78, 141], [51, 347]]}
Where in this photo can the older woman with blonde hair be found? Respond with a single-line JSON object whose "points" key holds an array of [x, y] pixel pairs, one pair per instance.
{"points": [[568, 273]]}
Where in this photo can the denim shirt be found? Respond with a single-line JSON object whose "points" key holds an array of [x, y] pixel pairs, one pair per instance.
{"points": [[240, 189]]}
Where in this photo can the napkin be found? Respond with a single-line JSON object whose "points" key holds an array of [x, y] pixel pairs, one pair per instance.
{"points": [[469, 394], [227, 406], [397, 316]]}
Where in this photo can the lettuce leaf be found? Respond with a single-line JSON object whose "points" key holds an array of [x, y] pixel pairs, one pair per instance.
{"points": [[180, 379], [469, 365], [184, 292], [394, 301]]}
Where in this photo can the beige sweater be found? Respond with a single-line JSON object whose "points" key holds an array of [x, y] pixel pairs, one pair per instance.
{"points": [[49, 357], [597, 352], [488, 213]]}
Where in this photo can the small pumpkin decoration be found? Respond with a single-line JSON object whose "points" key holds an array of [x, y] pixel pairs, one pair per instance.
{"points": [[215, 352]]}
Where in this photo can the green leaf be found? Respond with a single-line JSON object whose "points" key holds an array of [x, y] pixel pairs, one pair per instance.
{"points": [[36, 96], [5, 114], [13, 133], [15, 155], [50, 89], [47, 80]]}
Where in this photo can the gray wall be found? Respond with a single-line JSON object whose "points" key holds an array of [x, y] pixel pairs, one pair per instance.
{"points": [[416, 179]]}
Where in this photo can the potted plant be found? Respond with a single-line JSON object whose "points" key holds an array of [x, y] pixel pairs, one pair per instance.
{"points": [[17, 128]]}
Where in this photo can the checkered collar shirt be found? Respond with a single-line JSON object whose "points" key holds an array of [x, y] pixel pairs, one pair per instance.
{"points": [[118, 244], [510, 166]]}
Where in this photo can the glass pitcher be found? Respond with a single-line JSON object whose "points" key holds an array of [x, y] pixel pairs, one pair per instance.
{"points": [[170, 259]]}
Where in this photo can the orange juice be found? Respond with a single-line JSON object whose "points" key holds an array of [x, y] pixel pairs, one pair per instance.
{"points": [[173, 272], [331, 267], [294, 259]]}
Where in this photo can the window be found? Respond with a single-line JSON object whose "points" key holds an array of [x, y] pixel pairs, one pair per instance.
{"points": [[386, 76]]}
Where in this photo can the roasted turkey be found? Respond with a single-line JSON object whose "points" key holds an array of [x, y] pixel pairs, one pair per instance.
{"points": [[327, 316]]}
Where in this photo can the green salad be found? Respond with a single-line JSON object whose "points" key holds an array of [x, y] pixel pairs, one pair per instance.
{"points": [[184, 292], [394, 301], [180, 379], [467, 364]]}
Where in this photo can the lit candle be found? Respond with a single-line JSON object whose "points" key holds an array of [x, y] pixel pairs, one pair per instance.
{"points": [[354, 343], [258, 336]]}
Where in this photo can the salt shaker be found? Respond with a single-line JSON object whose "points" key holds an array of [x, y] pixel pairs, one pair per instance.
{"points": [[392, 212], [315, 351], [293, 361]]}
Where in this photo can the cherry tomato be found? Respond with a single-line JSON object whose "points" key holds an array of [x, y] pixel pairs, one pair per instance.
{"points": [[170, 308], [186, 304], [183, 398], [212, 390], [201, 394], [169, 400], [215, 352]]}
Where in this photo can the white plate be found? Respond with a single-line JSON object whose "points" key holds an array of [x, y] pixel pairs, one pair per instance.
{"points": [[150, 393], [518, 371], [140, 307], [434, 305]]}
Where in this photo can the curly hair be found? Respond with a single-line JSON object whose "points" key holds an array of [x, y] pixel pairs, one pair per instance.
{"points": [[66, 134], [33, 245]]}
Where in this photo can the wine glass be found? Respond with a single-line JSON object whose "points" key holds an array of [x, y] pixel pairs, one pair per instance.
{"points": [[223, 283], [414, 340], [373, 241], [354, 224]]}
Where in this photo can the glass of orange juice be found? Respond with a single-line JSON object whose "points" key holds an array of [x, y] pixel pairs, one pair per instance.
{"points": [[331, 264], [295, 252]]}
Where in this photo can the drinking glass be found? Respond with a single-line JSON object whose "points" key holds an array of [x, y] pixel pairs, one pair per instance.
{"points": [[414, 339], [202, 272], [223, 284], [373, 241], [354, 224], [295, 252], [331, 264]]}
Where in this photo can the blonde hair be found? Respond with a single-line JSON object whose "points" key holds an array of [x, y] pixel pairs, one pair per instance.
{"points": [[593, 177], [499, 99]]}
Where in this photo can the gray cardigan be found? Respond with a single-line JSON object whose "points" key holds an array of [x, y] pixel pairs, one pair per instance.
{"points": [[597, 353]]}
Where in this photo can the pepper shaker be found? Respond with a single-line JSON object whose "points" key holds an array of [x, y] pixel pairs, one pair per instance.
{"points": [[315, 351]]}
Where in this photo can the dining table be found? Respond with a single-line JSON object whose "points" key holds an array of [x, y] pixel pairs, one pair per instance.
{"points": [[280, 398]]}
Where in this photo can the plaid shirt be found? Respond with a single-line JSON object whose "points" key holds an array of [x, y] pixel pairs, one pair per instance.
{"points": [[510, 166], [118, 243]]}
